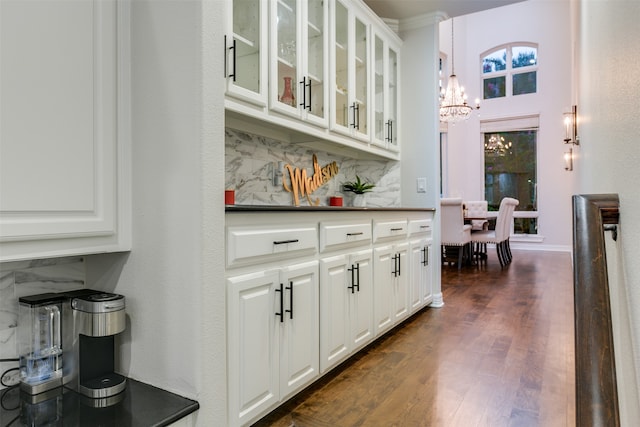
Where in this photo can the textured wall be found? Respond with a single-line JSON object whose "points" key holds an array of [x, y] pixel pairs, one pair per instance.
{"points": [[250, 160]]}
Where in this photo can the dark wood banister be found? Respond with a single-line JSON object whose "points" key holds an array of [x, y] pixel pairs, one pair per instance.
{"points": [[596, 388]]}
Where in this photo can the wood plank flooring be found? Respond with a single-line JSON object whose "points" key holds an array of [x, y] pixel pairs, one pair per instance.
{"points": [[499, 353]]}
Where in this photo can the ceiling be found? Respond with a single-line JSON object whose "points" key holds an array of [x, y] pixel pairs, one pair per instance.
{"points": [[402, 9]]}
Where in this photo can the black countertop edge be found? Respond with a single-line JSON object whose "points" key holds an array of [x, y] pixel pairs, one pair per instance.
{"points": [[139, 405], [282, 208]]}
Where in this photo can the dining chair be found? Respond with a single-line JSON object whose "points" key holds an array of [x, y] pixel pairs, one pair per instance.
{"points": [[500, 236], [477, 209], [454, 233]]}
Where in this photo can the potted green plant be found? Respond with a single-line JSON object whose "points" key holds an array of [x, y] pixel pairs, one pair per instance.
{"points": [[358, 187]]}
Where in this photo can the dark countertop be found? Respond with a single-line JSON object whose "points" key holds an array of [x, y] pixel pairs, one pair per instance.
{"points": [[284, 208], [139, 405]]}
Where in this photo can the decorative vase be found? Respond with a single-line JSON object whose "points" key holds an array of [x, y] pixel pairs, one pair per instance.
{"points": [[287, 95]]}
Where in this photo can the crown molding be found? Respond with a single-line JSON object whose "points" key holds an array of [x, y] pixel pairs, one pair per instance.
{"points": [[421, 21]]}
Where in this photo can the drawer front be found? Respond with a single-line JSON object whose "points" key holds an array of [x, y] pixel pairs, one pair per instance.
{"points": [[419, 226], [336, 235], [392, 229], [251, 244]]}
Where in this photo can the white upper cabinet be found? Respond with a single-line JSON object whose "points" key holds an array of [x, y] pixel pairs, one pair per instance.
{"points": [[385, 92], [299, 67], [64, 153], [350, 72], [246, 51]]}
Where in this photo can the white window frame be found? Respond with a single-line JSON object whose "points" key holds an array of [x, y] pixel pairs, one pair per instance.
{"points": [[509, 71]]}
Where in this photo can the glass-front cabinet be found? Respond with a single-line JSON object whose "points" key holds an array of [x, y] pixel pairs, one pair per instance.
{"points": [[246, 51], [299, 66], [350, 53], [385, 93]]}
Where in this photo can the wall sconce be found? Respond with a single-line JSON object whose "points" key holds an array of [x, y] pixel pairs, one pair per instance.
{"points": [[571, 126], [570, 135], [568, 160]]}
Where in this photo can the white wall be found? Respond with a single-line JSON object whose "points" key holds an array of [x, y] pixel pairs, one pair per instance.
{"points": [[173, 277], [547, 24], [609, 69]]}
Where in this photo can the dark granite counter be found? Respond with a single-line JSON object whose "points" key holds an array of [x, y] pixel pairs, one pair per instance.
{"points": [[140, 405], [281, 208]]}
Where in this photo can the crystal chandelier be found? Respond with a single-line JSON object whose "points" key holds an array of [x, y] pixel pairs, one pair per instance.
{"points": [[496, 146], [453, 101]]}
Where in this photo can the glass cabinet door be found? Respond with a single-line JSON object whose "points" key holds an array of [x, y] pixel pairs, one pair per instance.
{"points": [[286, 78], [380, 125], [361, 101], [314, 83], [392, 100], [246, 50], [341, 64]]}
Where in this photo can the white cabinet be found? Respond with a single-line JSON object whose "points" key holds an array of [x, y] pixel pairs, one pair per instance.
{"points": [[246, 51], [346, 301], [350, 45], [385, 68], [299, 67], [391, 285], [420, 278], [64, 153], [391, 273], [273, 337]]}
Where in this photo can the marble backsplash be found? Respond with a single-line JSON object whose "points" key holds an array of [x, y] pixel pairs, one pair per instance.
{"points": [[251, 160], [23, 278]]}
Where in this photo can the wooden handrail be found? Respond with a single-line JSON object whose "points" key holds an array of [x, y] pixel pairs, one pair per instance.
{"points": [[596, 388]]}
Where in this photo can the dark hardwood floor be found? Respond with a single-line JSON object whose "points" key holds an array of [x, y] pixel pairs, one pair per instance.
{"points": [[499, 353]]}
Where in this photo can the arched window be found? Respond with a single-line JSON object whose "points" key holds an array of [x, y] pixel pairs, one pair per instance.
{"points": [[510, 70]]}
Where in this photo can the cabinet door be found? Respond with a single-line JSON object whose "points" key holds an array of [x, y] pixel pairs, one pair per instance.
{"points": [[315, 93], [392, 129], [401, 289], [299, 342], [253, 344], [384, 264], [60, 181], [246, 51], [335, 295], [350, 58], [379, 124], [361, 303], [285, 59], [427, 281], [416, 264]]}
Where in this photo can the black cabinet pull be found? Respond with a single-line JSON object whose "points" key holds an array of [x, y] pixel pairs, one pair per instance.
{"points": [[424, 226], [424, 256], [353, 107], [303, 104], [284, 242], [358, 276], [399, 265], [397, 229], [233, 48], [353, 283], [390, 131], [360, 233], [357, 116], [395, 265], [290, 289], [309, 86], [281, 313]]}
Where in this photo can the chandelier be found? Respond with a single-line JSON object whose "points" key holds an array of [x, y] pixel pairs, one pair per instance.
{"points": [[497, 147], [453, 100]]}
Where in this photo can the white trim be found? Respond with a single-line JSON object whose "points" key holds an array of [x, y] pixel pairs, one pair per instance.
{"points": [[530, 121]]}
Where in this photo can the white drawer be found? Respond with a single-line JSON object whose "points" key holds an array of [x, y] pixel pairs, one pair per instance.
{"points": [[389, 229], [334, 235], [419, 226], [248, 244]]}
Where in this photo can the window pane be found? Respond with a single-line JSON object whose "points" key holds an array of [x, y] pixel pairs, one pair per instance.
{"points": [[494, 87], [495, 61], [524, 83], [525, 225], [511, 172], [523, 56]]}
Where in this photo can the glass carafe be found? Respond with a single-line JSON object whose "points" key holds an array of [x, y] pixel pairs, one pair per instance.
{"points": [[40, 342]]}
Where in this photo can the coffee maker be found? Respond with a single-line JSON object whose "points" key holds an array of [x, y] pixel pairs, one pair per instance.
{"points": [[40, 342], [91, 320]]}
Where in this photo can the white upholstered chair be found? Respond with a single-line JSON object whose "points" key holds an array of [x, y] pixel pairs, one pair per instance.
{"points": [[477, 209], [500, 236], [454, 233]]}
